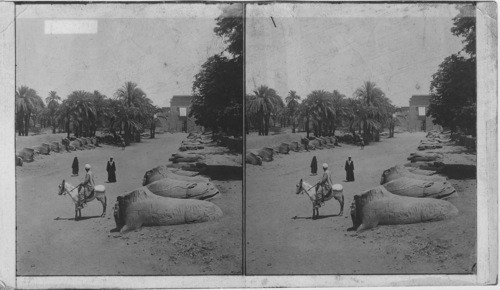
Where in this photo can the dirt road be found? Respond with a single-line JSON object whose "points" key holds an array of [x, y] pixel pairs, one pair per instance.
{"points": [[50, 242], [282, 238]]}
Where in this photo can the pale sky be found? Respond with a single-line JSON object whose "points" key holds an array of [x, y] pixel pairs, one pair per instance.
{"points": [[161, 47], [339, 46]]}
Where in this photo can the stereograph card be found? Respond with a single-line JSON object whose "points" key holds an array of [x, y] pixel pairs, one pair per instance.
{"points": [[248, 144]]}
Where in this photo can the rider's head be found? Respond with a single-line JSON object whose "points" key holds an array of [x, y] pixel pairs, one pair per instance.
{"points": [[87, 167], [325, 166]]}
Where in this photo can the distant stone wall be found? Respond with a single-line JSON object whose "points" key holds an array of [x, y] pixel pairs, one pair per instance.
{"points": [[177, 123], [418, 123]]}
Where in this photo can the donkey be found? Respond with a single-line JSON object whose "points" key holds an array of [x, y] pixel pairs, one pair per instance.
{"points": [[99, 194], [337, 192]]}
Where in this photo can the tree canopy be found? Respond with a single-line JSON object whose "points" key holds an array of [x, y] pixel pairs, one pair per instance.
{"points": [[322, 112], [28, 104], [83, 112], [292, 108], [218, 87], [264, 104], [453, 86]]}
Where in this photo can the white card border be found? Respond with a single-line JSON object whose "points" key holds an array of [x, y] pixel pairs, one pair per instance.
{"points": [[487, 202]]}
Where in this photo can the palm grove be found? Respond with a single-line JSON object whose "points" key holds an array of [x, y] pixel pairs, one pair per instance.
{"points": [[83, 113], [322, 112]]}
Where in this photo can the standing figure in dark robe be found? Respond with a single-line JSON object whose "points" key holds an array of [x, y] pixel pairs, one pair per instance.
{"points": [[349, 169], [111, 169], [75, 167], [314, 166]]}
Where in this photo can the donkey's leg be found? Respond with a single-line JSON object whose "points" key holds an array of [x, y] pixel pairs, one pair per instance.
{"points": [[76, 213], [103, 201], [341, 200]]}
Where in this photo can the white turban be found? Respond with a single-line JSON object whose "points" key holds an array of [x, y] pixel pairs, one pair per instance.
{"points": [[87, 166], [325, 165]]}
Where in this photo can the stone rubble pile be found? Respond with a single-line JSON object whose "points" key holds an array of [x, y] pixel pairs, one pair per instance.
{"points": [[30, 154], [266, 154]]}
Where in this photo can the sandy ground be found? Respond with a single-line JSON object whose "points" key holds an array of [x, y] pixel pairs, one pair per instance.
{"points": [[282, 238], [50, 242]]}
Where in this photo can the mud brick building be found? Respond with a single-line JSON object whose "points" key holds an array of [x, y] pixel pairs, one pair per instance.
{"points": [[417, 119]]}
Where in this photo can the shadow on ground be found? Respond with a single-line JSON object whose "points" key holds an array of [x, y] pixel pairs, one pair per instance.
{"points": [[317, 218], [224, 172], [459, 171], [79, 219]]}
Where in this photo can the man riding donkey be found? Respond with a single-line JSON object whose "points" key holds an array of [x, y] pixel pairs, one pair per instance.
{"points": [[325, 183], [88, 185]]}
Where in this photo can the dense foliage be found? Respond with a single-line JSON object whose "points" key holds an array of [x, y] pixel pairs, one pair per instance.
{"points": [[322, 112], [83, 113], [28, 106], [218, 87], [292, 109], [453, 86], [262, 105]]}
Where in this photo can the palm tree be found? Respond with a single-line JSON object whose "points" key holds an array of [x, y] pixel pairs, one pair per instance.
{"points": [[397, 118], [292, 105], [370, 97], [340, 105], [130, 93], [133, 98], [264, 103], [252, 120], [385, 110], [63, 114], [101, 111], [156, 114], [304, 113], [27, 103], [321, 111], [82, 111], [52, 105]]}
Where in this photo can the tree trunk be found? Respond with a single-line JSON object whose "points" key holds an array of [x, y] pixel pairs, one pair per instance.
{"points": [[67, 126], [261, 123], [247, 125], [307, 127], [19, 124], [126, 133], [26, 124], [266, 124], [366, 132]]}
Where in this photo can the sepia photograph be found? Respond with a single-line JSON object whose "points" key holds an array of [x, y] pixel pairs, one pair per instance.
{"points": [[129, 122], [361, 139]]}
